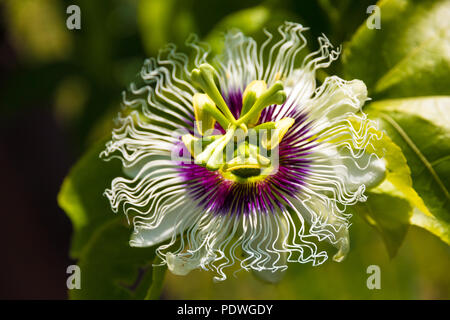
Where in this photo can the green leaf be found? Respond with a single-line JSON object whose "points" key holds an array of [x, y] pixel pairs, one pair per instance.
{"points": [[435, 109], [426, 146], [409, 55], [81, 196], [389, 215], [111, 269], [398, 181], [432, 224]]}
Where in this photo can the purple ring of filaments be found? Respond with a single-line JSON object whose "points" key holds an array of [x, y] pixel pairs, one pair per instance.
{"points": [[225, 197]]}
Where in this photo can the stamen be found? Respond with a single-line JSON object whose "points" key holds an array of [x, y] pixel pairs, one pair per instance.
{"points": [[196, 145], [206, 113], [253, 91], [274, 95], [204, 78], [216, 159], [212, 156], [274, 132]]}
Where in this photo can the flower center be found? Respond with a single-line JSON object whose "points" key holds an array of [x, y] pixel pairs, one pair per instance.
{"points": [[247, 151]]}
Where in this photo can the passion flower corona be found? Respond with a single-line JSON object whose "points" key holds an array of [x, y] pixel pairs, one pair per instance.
{"points": [[241, 158]]}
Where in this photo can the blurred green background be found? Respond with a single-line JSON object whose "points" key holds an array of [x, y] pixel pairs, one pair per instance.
{"points": [[60, 90]]}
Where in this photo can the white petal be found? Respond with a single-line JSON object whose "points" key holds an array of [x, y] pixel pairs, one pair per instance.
{"points": [[336, 98], [326, 222], [355, 171], [343, 245], [172, 216], [341, 239], [133, 171], [146, 236], [179, 265], [366, 170], [300, 85]]}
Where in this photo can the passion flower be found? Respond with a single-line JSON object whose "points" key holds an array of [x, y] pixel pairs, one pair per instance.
{"points": [[242, 158]]}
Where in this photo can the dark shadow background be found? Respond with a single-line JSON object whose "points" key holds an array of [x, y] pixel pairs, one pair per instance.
{"points": [[34, 158]]}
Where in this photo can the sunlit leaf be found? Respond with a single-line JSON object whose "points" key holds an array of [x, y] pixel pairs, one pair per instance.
{"points": [[426, 146], [409, 55]]}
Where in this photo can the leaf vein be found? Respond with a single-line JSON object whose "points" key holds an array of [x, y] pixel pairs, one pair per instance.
{"points": [[422, 158]]}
